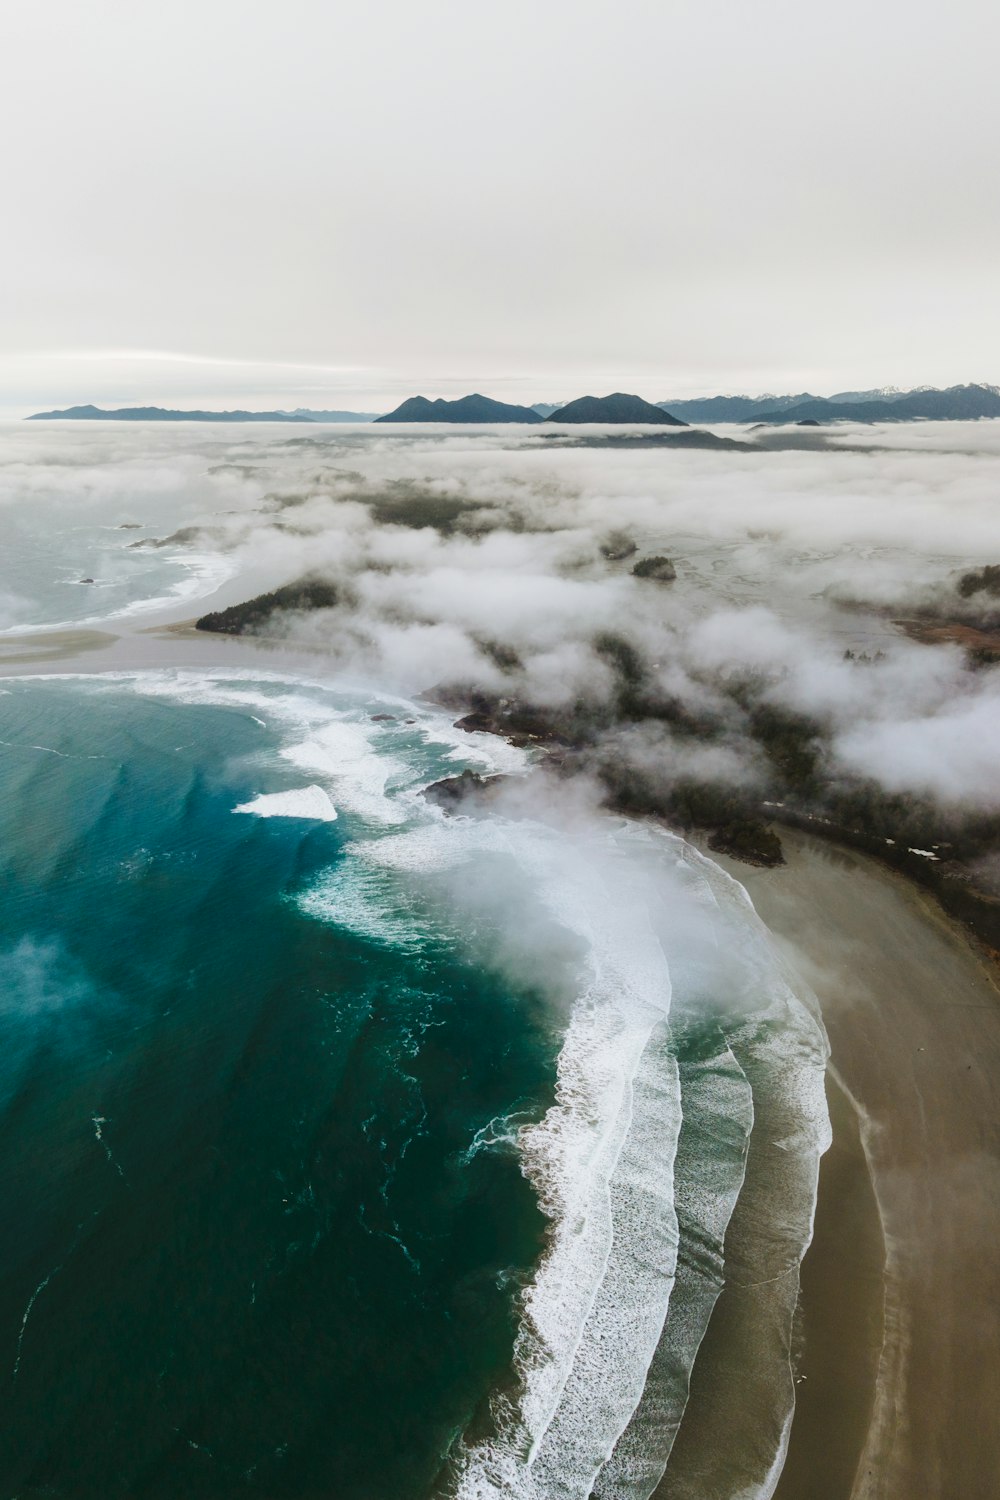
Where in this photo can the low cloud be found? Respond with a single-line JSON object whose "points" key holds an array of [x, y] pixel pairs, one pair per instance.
{"points": [[474, 561]]}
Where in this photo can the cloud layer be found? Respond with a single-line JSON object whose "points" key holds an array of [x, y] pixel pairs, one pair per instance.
{"points": [[475, 561]]}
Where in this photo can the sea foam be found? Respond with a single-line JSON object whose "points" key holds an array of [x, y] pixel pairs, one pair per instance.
{"points": [[309, 802], [614, 1317]]}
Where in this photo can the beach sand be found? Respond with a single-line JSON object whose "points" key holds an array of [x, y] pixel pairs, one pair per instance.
{"points": [[159, 647], [901, 1399], [901, 1286], [25, 648]]}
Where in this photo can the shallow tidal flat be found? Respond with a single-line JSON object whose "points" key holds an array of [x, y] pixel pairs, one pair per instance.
{"points": [[24, 649]]}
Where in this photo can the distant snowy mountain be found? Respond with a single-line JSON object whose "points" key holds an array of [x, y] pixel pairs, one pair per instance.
{"points": [[885, 404]]}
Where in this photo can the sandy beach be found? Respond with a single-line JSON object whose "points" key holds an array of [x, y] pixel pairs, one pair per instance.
{"points": [[899, 1371], [907, 1362]]}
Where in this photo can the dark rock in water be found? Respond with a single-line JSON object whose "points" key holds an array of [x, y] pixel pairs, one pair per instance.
{"points": [[616, 408], [254, 615], [383, 718], [468, 792], [185, 537], [659, 569], [748, 840], [478, 722], [519, 727], [617, 547], [86, 580], [130, 526]]}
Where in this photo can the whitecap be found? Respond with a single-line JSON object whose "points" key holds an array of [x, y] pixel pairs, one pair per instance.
{"points": [[309, 802]]}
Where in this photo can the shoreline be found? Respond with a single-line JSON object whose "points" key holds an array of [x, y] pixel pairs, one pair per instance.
{"points": [[841, 1335], [890, 1406], [912, 1011]]}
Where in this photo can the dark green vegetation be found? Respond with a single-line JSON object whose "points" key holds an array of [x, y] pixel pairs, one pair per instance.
{"points": [[254, 616], [630, 739], [400, 503], [986, 581], [958, 403], [676, 438], [184, 537], [659, 569], [165, 414], [615, 408], [625, 744], [473, 408], [617, 547], [625, 740]]}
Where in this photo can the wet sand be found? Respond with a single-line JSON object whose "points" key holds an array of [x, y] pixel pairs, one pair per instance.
{"points": [[913, 1015], [901, 1286], [30, 646], [842, 1307], [163, 646]]}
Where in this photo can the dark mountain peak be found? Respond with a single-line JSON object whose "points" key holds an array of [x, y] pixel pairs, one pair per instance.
{"points": [[79, 412], [474, 408], [618, 408]]}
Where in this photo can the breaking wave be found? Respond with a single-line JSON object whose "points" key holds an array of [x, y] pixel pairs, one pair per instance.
{"points": [[677, 1164]]}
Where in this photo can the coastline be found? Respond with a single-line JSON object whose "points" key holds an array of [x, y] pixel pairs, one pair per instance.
{"points": [[842, 1313], [912, 1011], [901, 1367]]}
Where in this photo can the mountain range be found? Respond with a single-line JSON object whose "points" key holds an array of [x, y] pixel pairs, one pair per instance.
{"points": [[954, 404], [886, 404], [166, 414], [617, 409]]}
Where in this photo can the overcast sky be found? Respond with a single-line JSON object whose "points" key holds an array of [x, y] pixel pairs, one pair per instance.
{"points": [[327, 205]]}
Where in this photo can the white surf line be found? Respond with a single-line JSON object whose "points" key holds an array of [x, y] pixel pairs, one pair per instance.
{"points": [[46, 749], [797, 1001], [584, 1344], [98, 1122], [386, 1234], [641, 1456], [207, 569], [13, 745], [27, 1314]]}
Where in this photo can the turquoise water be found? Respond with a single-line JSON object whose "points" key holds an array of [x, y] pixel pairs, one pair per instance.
{"points": [[348, 1149], [247, 1248], [355, 1150], [74, 504]]}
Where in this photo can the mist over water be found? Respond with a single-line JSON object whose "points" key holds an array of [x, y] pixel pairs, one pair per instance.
{"points": [[363, 1150], [249, 1253], [256, 1098], [475, 560]]}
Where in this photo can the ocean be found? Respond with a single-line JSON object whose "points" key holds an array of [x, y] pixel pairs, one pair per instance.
{"points": [[354, 1150]]}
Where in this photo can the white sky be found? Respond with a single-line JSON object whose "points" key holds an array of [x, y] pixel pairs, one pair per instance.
{"points": [[327, 205]]}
